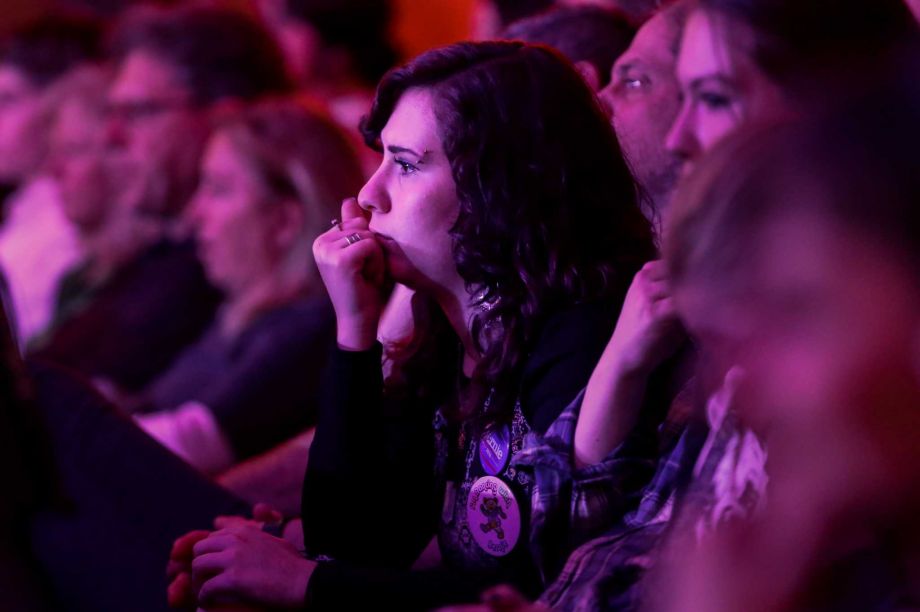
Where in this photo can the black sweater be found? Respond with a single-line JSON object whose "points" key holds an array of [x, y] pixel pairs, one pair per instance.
{"points": [[371, 501]]}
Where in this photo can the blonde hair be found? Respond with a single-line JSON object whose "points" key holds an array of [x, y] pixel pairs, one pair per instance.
{"points": [[297, 152]]}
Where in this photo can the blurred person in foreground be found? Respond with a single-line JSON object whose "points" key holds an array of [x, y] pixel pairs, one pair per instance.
{"points": [[817, 226]]}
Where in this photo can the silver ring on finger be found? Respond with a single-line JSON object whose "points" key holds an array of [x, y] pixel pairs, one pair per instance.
{"points": [[352, 238]]}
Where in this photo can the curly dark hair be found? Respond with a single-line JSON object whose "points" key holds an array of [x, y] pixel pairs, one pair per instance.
{"points": [[548, 214]]}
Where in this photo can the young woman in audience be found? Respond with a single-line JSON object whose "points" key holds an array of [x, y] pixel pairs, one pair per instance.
{"points": [[809, 233], [504, 202], [272, 176]]}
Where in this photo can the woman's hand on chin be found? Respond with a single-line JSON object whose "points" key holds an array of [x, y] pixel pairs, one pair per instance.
{"points": [[353, 268]]}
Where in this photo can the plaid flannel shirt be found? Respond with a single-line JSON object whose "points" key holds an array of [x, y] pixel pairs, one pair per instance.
{"points": [[573, 505], [606, 572]]}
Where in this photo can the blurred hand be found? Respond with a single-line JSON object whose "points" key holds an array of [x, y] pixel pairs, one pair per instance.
{"points": [[179, 594], [179, 568], [262, 514], [354, 275], [243, 563]]}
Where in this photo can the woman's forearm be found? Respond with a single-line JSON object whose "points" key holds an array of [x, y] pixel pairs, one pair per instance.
{"points": [[610, 408]]}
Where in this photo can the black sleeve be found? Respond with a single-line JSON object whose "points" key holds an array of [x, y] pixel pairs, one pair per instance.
{"points": [[565, 354], [369, 495], [369, 499]]}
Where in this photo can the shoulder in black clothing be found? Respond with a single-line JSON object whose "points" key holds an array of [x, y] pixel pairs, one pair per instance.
{"points": [[565, 353]]}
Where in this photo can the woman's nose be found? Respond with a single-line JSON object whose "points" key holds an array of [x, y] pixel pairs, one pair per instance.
{"points": [[373, 196], [681, 139]]}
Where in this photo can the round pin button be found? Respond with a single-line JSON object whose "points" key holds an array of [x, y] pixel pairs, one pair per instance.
{"points": [[494, 449], [493, 516]]}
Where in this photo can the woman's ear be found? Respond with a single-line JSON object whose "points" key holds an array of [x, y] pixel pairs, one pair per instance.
{"points": [[589, 73]]}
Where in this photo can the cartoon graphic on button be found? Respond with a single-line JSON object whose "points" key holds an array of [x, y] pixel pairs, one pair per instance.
{"points": [[494, 516], [493, 512]]}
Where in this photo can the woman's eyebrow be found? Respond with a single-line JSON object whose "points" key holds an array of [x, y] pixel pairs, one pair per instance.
{"points": [[395, 149], [711, 78]]}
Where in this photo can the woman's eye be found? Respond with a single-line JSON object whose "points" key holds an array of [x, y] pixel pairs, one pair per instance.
{"points": [[404, 166], [715, 101]]}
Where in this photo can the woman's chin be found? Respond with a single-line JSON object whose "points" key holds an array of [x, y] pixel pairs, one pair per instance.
{"points": [[399, 268], [400, 271]]}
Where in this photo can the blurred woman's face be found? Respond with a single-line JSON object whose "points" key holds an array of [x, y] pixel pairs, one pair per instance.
{"points": [[411, 199], [241, 237], [826, 328], [721, 86], [78, 164], [837, 324]]}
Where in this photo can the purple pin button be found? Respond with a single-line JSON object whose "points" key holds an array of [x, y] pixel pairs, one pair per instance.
{"points": [[494, 449], [493, 516]]}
